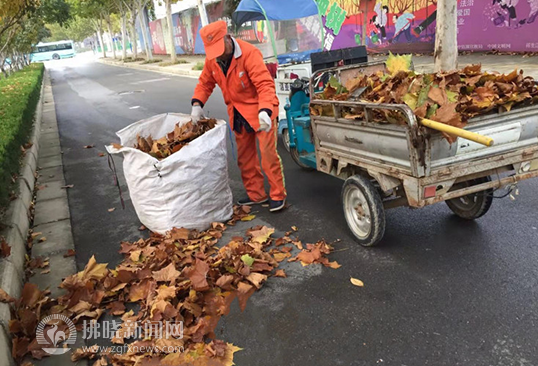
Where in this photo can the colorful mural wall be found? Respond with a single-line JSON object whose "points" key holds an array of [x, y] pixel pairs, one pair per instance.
{"points": [[409, 25], [382, 25]]}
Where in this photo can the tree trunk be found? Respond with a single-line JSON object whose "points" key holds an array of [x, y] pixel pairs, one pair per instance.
{"points": [[203, 13], [99, 26], [109, 26], [446, 41], [134, 43], [123, 37], [142, 19], [171, 30]]}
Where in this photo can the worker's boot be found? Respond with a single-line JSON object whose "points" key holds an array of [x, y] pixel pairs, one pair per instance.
{"points": [[276, 205], [248, 202]]}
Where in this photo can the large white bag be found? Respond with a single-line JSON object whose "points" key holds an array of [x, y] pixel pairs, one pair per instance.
{"points": [[187, 189]]}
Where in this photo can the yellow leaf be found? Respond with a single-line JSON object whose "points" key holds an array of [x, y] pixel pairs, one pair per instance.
{"points": [[356, 282], [335, 265], [248, 218], [397, 63], [135, 255], [262, 235]]}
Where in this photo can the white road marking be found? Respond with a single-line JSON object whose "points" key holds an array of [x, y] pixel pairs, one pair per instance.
{"points": [[149, 81], [126, 74], [135, 107]]}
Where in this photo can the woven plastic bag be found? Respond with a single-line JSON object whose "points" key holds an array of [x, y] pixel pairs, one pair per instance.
{"points": [[187, 189]]}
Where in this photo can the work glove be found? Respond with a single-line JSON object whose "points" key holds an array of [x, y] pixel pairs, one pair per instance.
{"points": [[265, 121], [197, 113]]}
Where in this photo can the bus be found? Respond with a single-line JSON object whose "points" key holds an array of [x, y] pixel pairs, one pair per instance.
{"points": [[52, 51]]}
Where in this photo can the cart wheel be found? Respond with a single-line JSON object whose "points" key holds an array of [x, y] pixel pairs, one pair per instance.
{"points": [[474, 205], [286, 139], [363, 210], [295, 156]]}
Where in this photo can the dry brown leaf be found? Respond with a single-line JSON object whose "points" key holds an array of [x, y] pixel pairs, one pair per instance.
{"points": [[112, 209], [280, 273], [5, 249], [69, 253], [168, 273], [261, 235], [197, 274], [5, 298], [256, 279]]}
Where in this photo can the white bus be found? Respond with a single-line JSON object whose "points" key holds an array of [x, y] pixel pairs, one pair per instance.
{"points": [[52, 51]]}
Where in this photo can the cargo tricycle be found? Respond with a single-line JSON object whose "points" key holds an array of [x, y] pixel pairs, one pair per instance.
{"points": [[385, 165]]}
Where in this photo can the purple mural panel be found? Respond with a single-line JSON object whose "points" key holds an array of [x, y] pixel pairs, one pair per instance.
{"points": [[504, 25]]}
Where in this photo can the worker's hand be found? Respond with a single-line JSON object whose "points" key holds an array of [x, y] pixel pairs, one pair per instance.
{"points": [[265, 121], [197, 113]]}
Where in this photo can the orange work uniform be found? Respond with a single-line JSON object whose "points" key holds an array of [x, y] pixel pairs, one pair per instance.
{"points": [[248, 88]]}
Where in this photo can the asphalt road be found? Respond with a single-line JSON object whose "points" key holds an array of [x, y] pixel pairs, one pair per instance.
{"points": [[438, 290]]}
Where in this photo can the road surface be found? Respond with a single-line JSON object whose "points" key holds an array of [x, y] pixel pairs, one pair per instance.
{"points": [[438, 290]]}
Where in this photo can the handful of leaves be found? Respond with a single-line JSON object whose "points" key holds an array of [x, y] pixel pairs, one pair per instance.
{"points": [[175, 140], [449, 97]]}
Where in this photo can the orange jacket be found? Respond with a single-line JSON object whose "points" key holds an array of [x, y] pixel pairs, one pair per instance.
{"points": [[248, 86]]}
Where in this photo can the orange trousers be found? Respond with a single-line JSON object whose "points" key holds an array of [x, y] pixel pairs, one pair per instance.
{"points": [[249, 164]]}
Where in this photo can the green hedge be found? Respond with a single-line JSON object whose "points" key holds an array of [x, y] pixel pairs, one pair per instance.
{"points": [[19, 95]]}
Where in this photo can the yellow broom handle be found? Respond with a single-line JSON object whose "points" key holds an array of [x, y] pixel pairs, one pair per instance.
{"points": [[460, 132]]}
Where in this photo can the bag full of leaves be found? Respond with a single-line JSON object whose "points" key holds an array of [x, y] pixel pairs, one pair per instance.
{"points": [[177, 172]]}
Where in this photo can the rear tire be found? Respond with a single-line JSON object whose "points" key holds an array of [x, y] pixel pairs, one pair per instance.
{"points": [[363, 210], [55, 56], [295, 156], [472, 206]]}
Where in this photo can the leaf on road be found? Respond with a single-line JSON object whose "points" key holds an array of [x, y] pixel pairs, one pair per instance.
{"points": [[42, 239], [247, 259], [69, 253], [112, 209], [244, 291], [5, 298], [261, 235], [168, 273], [198, 275], [248, 218], [356, 282], [5, 249], [89, 146], [68, 186], [280, 273], [256, 279], [94, 270]]}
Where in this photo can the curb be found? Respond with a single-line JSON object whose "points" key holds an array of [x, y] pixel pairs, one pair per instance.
{"points": [[18, 224], [163, 70]]}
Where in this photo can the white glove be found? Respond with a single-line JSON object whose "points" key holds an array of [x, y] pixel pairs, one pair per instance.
{"points": [[265, 121], [197, 113]]}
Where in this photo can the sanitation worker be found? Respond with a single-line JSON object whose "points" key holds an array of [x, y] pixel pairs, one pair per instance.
{"points": [[237, 67]]}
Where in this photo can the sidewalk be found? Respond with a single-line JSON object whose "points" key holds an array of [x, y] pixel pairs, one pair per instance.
{"points": [[501, 63], [185, 69], [490, 63]]}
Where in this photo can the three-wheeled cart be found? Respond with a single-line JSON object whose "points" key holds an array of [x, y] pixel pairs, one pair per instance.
{"points": [[386, 165]]}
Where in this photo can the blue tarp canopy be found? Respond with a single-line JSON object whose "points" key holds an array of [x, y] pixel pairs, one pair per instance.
{"points": [[249, 10]]}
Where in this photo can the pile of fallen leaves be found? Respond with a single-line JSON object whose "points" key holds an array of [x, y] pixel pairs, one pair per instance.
{"points": [[451, 98], [175, 140], [181, 276]]}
